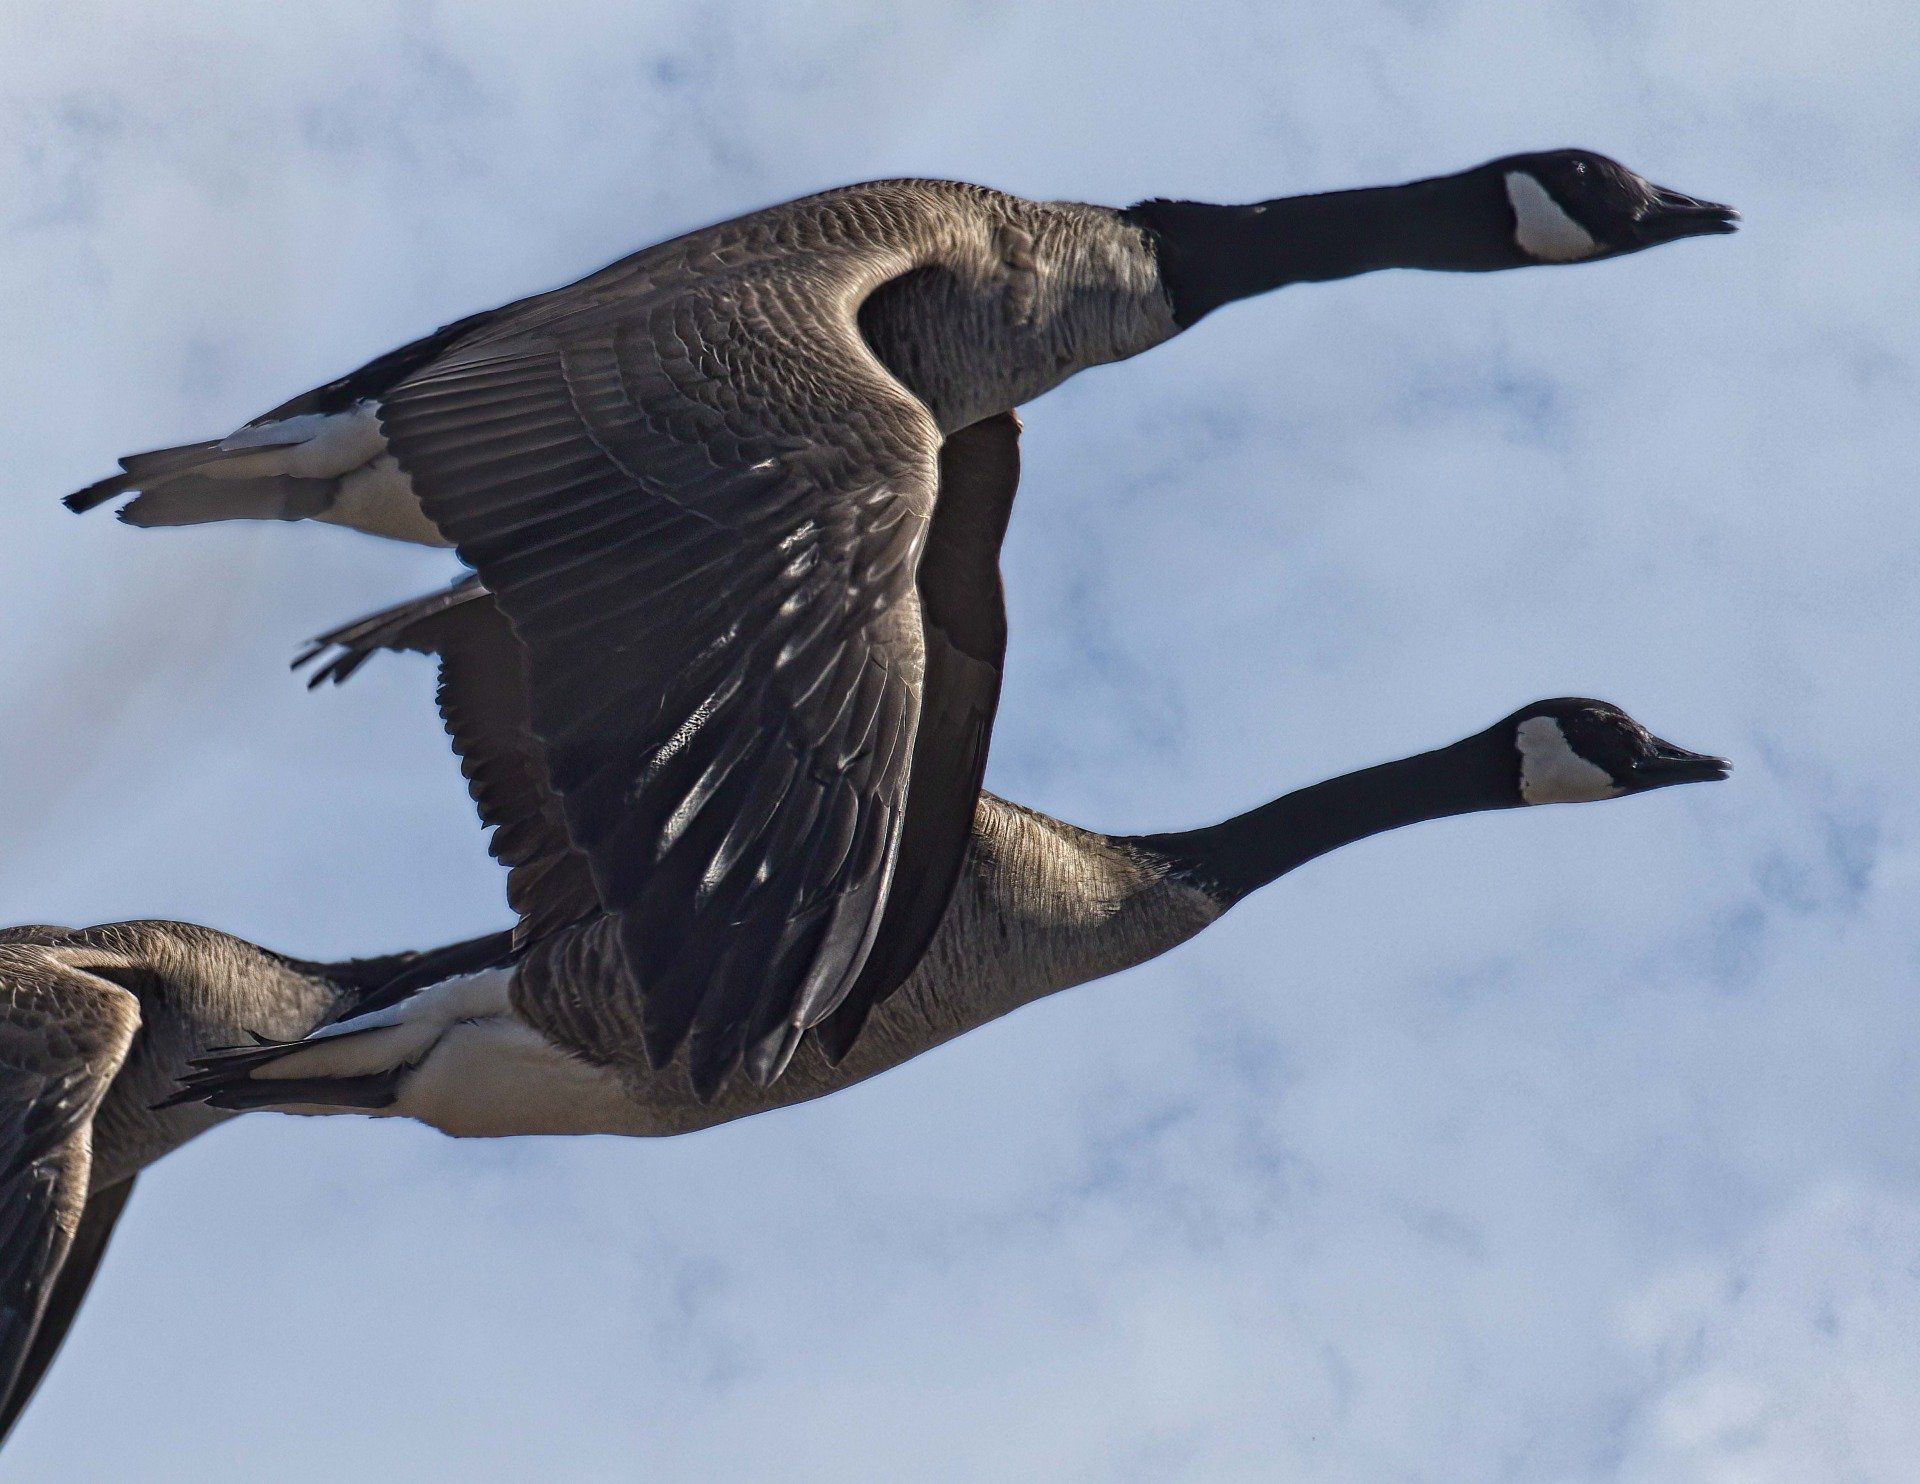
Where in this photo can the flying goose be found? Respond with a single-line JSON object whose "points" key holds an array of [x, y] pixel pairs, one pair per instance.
{"points": [[96, 1026], [715, 488], [535, 1044]]}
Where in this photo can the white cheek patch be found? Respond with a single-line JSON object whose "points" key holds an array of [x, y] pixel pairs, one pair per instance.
{"points": [[1541, 227], [1551, 772]]}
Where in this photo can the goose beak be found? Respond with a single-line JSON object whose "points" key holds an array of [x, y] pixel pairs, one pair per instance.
{"points": [[1669, 216], [1667, 765]]}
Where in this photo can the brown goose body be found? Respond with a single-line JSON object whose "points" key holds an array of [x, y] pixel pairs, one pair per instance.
{"points": [[1040, 906]]}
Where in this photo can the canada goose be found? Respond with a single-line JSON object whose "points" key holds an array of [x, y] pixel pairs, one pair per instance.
{"points": [[1039, 906], [716, 487], [96, 1026], [1036, 290]]}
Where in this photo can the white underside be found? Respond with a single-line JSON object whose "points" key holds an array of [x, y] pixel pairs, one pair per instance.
{"points": [[477, 1069], [490, 1078], [374, 495], [378, 498]]}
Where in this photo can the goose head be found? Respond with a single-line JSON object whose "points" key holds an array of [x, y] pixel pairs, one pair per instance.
{"points": [[1572, 206], [1572, 750]]}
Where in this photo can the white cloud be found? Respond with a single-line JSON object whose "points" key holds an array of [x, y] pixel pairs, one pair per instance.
{"points": [[1789, 1357]]}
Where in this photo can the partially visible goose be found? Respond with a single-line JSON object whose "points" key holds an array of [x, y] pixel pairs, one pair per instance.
{"points": [[707, 485], [96, 1026], [1039, 906]]}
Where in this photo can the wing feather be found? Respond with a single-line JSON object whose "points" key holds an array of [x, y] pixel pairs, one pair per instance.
{"points": [[63, 1036], [729, 810], [714, 591]]}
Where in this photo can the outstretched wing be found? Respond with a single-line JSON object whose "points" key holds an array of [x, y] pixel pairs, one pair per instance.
{"points": [[63, 1035], [702, 513], [483, 700], [69, 1290]]}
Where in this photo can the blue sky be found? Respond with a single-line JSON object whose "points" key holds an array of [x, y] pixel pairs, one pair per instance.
{"points": [[1573, 1145]]}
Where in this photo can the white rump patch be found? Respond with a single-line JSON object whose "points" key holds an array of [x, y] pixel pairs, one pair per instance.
{"points": [[372, 492], [378, 498], [315, 445], [1551, 772], [470, 1066], [400, 1034], [1541, 225]]}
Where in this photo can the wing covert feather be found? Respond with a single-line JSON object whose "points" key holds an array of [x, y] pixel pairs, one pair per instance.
{"points": [[704, 527]]}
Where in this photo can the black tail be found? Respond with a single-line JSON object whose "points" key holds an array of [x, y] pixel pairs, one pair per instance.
{"points": [[155, 464], [223, 1078], [182, 487]]}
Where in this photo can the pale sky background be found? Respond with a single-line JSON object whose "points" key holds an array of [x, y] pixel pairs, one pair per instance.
{"points": [[1569, 1145]]}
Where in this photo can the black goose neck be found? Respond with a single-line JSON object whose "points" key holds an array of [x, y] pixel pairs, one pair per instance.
{"points": [[1212, 255], [1238, 856]]}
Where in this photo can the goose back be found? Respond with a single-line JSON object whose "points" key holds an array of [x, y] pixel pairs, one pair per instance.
{"points": [[974, 299], [195, 988], [96, 1025]]}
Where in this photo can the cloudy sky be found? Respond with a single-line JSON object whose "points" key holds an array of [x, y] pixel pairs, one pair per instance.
{"points": [[1574, 1145]]}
